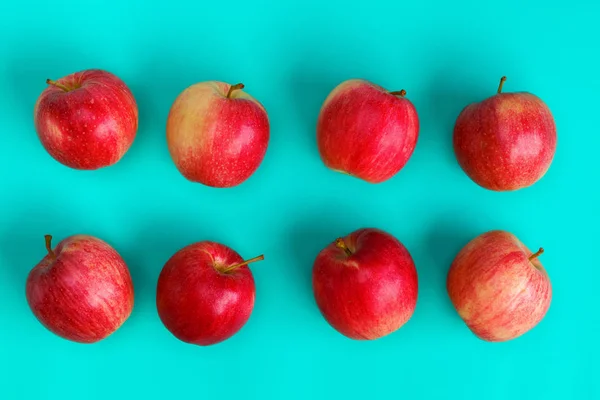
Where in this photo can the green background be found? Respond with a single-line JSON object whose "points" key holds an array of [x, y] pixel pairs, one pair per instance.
{"points": [[445, 54]]}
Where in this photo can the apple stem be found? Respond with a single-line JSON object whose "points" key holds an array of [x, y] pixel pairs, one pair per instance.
{"points": [[232, 267], [234, 87], [502, 80], [49, 246], [400, 93], [58, 85], [339, 242], [536, 254]]}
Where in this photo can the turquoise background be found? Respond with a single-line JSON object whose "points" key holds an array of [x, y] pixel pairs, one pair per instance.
{"points": [[445, 54]]}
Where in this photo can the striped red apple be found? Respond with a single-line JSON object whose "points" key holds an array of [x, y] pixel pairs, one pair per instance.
{"points": [[499, 287], [366, 131], [507, 141], [81, 290], [365, 284], [205, 293], [217, 134], [86, 120]]}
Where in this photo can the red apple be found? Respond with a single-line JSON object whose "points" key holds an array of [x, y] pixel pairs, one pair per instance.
{"points": [[217, 134], [86, 120], [205, 293], [365, 284], [366, 131], [499, 288], [81, 290], [507, 141]]}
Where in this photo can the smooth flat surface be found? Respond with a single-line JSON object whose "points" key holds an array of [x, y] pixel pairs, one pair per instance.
{"points": [[445, 54]]}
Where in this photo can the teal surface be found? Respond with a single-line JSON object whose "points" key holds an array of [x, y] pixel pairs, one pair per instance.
{"points": [[445, 54]]}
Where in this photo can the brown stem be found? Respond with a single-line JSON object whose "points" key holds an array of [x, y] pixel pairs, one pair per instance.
{"points": [[339, 242], [502, 80], [58, 85], [536, 254], [49, 246], [234, 87], [400, 93], [232, 267]]}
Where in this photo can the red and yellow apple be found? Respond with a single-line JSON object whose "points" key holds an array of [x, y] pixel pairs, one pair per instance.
{"points": [[205, 293], [82, 290], [499, 287], [366, 131], [217, 134], [86, 120], [365, 284], [505, 142]]}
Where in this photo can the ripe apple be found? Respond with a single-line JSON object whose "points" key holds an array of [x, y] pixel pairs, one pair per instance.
{"points": [[205, 293], [86, 120], [505, 142], [81, 290], [217, 134], [366, 131], [365, 284], [499, 287]]}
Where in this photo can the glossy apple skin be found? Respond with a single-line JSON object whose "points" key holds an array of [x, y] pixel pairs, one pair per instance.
{"points": [[92, 125], [496, 290], [366, 132], [216, 140], [197, 302], [84, 293], [506, 142], [372, 292]]}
